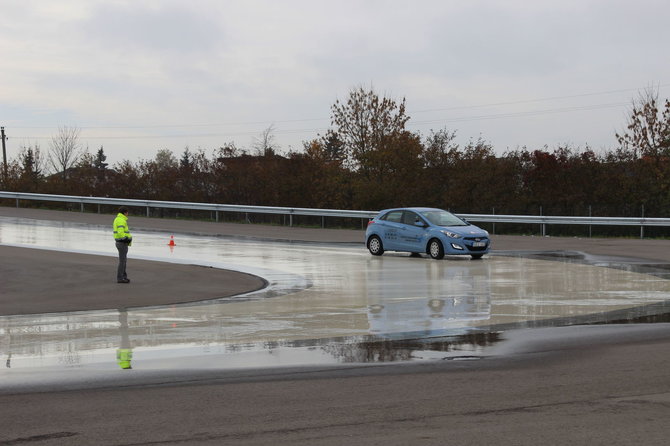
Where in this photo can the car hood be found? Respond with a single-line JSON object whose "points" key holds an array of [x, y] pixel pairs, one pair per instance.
{"points": [[466, 231]]}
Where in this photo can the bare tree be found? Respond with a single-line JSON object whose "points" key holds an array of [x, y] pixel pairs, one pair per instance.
{"points": [[65, 150], [648, 129], [265, 143]]}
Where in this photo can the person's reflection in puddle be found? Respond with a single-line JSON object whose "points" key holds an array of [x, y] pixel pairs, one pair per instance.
{"points": [[8, 364], [124, 355]]}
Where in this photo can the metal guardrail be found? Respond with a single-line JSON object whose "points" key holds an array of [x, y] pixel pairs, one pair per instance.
{"points": [[542, 220], [545, 219], [156, 204]]}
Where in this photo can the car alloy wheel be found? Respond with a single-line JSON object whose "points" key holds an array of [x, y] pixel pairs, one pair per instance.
{"points": [[375, 246], [435, 249]]}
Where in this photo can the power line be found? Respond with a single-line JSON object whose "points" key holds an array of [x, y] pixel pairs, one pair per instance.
{"points": [[410, 123], [158, 126], [287, 121], [528, 101], [522, 114], [184, 135]]}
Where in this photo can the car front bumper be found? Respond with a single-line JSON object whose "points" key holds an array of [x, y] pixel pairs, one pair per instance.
{"points": [[468, 245]]}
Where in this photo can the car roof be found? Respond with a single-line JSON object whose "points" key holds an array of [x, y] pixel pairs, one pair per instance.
{"points": [[415, 209]]}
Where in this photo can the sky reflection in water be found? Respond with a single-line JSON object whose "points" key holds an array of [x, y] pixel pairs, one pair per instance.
{"points": [[325, 304]]}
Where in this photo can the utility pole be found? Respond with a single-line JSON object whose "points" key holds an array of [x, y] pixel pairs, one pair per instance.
{"points": [[4, 155]]}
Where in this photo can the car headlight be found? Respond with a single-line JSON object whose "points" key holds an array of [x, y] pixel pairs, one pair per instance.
{"points": [[451, 234]]}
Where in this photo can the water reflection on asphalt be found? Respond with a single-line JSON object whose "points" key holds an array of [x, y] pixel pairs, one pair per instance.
{"points": [[325, 304]]}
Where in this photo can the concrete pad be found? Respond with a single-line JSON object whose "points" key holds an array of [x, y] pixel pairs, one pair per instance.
{"points": [[46, 281]]}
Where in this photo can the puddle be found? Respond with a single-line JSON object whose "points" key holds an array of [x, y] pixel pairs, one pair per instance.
{"points": [[328, 305]]}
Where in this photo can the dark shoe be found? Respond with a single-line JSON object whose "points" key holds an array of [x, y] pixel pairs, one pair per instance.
{"points": [[123, 281]]}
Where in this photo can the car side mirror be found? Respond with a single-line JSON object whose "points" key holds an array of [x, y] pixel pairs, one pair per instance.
{"points": [[419, 224]]}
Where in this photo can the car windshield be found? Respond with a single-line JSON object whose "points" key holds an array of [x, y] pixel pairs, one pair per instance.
{"points": [[443, 218]]}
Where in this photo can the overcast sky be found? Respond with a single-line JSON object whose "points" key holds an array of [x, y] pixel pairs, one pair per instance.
{"points": [[138, 76]]}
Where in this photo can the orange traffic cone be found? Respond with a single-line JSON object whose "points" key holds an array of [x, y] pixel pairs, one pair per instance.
{"points": [[172, 243]]}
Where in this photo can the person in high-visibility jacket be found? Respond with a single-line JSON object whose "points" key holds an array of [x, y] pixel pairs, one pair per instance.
{"points": [[123, 240]]}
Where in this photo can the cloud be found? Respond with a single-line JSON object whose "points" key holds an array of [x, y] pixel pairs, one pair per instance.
{"points": [[147, 66], [149, 28]]}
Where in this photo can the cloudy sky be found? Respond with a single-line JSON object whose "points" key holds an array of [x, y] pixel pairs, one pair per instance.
{"points": [[138, 76]]}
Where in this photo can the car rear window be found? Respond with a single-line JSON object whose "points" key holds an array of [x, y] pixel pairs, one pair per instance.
{"points": [[393, 216]]}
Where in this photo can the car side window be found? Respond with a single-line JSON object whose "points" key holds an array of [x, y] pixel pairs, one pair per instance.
{"points": [[411, 218], [408, 217], [393, 216]]}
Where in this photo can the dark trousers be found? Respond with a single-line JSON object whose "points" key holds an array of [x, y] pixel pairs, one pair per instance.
{"points": [[123, 257]]}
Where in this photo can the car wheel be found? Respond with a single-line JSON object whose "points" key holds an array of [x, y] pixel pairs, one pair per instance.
{"points": [[435, 249], [375, 246], [476, 256]]}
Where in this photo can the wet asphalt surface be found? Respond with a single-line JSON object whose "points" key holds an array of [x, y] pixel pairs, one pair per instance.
{"points": [[596, 384]]}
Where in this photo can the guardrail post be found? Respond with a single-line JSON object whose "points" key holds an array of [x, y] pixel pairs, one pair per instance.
{"points": [[147, 211], [81, 206], [290, 220], [216, 214], [493, 210], [17, 202]]}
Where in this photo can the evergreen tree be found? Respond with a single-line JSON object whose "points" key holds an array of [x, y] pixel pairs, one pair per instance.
{"points": [[100, 159]]}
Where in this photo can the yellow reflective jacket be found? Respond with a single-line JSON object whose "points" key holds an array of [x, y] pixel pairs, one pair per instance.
{"points": [[121, 230]]}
